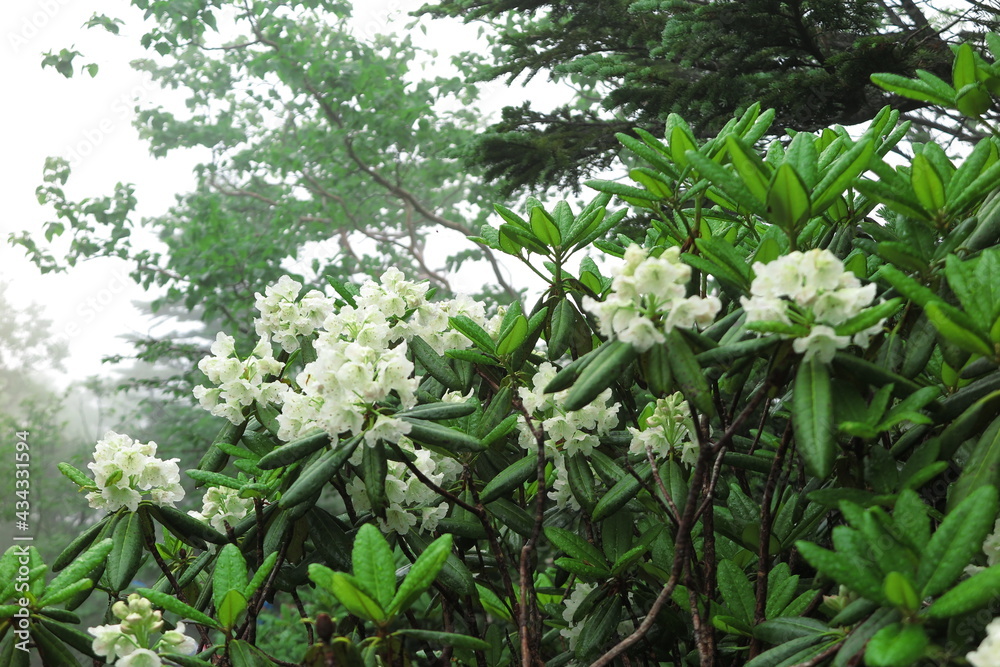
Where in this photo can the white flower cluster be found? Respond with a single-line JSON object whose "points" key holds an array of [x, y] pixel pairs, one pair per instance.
{"points": [[283, 319], [648, 299], [813, 289], [566, 431], [221, 506], [409, 499], [124, 470], [361, 359], [128, 643], [668, 428], [239, 382], [988, 653]]}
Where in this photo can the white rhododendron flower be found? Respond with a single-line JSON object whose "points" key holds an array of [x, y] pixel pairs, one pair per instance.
{"points": [[129, 643], [669, 428], [283, 320], [988, 653], [239, 382], [566, 432], [812, 290], [410, 500], [124, 470], [221, 505], [648, 299]]}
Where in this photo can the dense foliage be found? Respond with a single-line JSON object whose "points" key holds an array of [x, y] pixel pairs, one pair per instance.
{"points": [[766, 434], [811, 61]]}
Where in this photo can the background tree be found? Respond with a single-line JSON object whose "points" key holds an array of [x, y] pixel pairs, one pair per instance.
{"points": [[637, 62], [317, 137]]}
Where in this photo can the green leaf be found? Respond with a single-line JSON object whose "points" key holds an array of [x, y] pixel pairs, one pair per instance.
{"points": [[753, 171], [963, 338], [421, 575], [79, 543], [186, 527], [510, 478], [435, 365], [730, 185], [812, 418], [230, 607], [841, 174], [244, 654], [982, 467], [446, 638], [896, 645], [471, 330], [600, 373], [77, 570], [687, 372], [170, 603], [230, 574], [914, 89], [544, 227], [843, 569], [374, 565], [514, 337], [627, 488], [564, 319], [432, 433], [76, 476], [974, 593], [573, 545], [315, 477], [351, 596], [207, 478], [737, 592], [294, 451], [126, 554], [927, 184], [374, 470], [959, 537], [440, 410], [263, 572], [788, 203], [899, 591]]}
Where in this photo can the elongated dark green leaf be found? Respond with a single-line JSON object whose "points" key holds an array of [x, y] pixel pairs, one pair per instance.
{"points": [[510, 478], [627, 488], [261, 575], [439, 411], [446, 638], [185, 526], [812, 418], [473, 332], [204, 477], [434, 364], [432, 433], [915, 89], [982, 468], [79, 543], [294, 451], [688, 374], [79, 569], [843, 569], [841, 174], [374, 565], [564, 318], [126, 554], [959, 537], [313, 478], [573, 545], [374, 470], [172, 604], [737, 592], [421, 575]]}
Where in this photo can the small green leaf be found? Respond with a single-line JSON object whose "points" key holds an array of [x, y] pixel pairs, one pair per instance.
{"points": [[896, 645], [959, 537], [514, 337], [544, 227], [812, 418], [471, 330], [374, 565], [573, 545], [77, 570], [315, 477], [421, 575], [230, 607], [788, 198], [230, 574], [432, 433], [600, 373], [510, 478], [899, 591], [927, 184], [446, 638]]}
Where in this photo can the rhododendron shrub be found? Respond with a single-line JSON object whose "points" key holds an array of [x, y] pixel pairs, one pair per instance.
{"points": [[757, 424]]}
